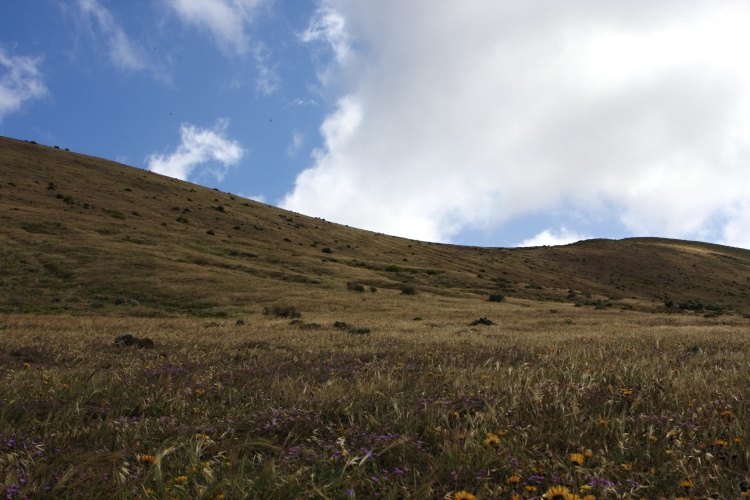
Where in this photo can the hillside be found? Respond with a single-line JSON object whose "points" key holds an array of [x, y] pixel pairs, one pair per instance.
{"points": [[80, 235]]}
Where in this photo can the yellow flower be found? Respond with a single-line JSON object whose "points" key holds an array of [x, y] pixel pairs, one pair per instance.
{"points": [[516, 497], [514, 479], [576, 458], [588, 453], [180, 479], [492, 440], [727, 416], [589, 497], [27, 365], [603, 422], [687, 484], [627, 467], [721, 443], [148, 491], [669, 452], [484, 377], [737, 440], [625, 392], [653, 438], [557, 493], [463, 495], [530, 488], [147, 459]]}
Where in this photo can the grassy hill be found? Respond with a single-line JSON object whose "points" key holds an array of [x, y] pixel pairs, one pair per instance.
{"points": [[82, 234], [383, 369]]}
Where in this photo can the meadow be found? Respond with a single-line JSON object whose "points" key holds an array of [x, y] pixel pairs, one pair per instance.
{"points": [[298, 358], [568, 403]]}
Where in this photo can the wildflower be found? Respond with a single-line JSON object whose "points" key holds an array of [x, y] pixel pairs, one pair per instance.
{"points": [[484, 377], [516, 497], [530, 488], [220, 496], [577, 458], [653, 438], [199, 392], [455, 414], [687, 484], [514, 479], [147, 459], [745, 493], [669, 452], [463, 495], [27, 365], [492, 440], [557, 493], [603, 422], [202, 437], [627, 467], [625, 391], [196, 410], [727, 416], [721, 443], [589, 497], [180, 479], [738, 440]]}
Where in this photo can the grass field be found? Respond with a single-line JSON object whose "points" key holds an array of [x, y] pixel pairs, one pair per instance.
{"points": [[625, 405], [297, 358]]}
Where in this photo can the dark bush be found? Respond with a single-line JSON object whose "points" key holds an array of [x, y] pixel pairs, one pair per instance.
{"points": [[355, 287], [326, 250], [496, 297], [482, 321], [409, 289], [282, 311]]}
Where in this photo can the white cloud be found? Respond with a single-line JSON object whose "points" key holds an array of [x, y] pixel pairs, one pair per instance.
{"points": [[457, 115], [123, 52], [206, 148], [298, 139], [226, 20], [268, 80], [549, 237], [20, 81]]}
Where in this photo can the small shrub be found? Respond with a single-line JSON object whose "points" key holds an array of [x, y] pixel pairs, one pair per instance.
{"points": [[282, 311], [51, 186], [340, 325], [210, 232], [355, 287], [496, 297], [482, 321], [408, 289], [326, 250], [181, 219]]}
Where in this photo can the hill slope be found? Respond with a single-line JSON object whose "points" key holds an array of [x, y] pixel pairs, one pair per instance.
{"points": [[81, 234]]}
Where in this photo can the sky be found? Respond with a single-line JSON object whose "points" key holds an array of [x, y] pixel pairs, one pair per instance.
{"points": [[486, 123]]}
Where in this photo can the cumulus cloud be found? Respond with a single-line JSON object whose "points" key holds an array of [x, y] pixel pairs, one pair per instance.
{"points": [[123, 52], [459, 115], [548, 237], [199, 147], [225, 20], [20, 81]]}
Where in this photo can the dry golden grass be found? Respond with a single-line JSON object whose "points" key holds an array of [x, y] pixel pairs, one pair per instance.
{"points": [[426, 408], [584, 384]]}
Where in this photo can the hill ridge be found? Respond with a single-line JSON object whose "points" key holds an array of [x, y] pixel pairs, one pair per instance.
{"points": [[79, 234]]}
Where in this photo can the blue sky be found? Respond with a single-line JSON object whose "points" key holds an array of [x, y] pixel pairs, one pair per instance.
{"points": [[481, 123]]}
